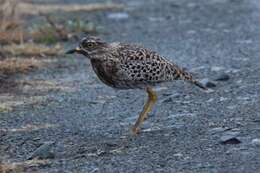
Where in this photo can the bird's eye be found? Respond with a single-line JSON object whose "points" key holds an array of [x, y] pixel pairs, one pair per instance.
{"points": [[88, 44]]}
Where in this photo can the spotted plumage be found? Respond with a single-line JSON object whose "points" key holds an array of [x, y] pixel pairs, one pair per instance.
{"points": [[128, 66]]}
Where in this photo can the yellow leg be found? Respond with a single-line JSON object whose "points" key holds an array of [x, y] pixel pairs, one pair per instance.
{"points": [[152, 97]]}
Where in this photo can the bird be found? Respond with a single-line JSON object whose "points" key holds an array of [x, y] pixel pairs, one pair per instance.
{"points": [[131, 66]]}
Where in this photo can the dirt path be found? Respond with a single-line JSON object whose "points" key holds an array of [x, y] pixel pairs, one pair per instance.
{"points": [[88, 123]]}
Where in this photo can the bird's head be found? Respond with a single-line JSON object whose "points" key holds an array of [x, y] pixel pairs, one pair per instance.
{"points": [[89, 46]]}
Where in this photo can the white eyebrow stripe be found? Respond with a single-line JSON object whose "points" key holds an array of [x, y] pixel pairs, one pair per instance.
{"points": [[83, 39]]}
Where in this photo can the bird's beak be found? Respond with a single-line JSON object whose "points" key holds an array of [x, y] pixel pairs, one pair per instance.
{"points": [[76, 50]]}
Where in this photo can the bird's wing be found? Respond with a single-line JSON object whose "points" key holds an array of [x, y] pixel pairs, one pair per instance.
{"points": [[140, 64]]}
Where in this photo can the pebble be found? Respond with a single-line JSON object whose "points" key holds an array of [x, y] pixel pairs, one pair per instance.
{"points": [[210, 100], [223, 99], [43, 152], [118, 16], [256, 142], [230, 138], [156, 19], [217, 130], [222, 77], [178, 155], [171, 98], [234, 150], [207, 83], [232, 107], [217, 68]]}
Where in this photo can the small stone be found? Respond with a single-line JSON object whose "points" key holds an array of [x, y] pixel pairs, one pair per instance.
{"points": [[223, 99], [171, 98], [101, 152], [232, 107], [207, 83], [230, 138], [156, 19], [178, 155], [191, 32], [118, 16], [217, 68], [233, 150], [217, 130], [222, 77], [210, 100], [256, 142], [43, 152]]}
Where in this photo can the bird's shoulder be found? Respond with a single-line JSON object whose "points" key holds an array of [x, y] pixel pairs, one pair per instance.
{"points": [[134, 52]]}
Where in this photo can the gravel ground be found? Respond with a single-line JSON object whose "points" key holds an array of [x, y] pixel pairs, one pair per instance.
{"points": [[65, 116]]}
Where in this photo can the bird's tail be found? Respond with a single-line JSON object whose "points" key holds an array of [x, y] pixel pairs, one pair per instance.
{"points": [[188, 77]]}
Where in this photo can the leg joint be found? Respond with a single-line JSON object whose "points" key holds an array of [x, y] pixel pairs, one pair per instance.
{"points": [[152, 94]]}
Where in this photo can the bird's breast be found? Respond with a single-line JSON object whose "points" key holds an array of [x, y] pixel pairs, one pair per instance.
{"points": [[105, 70]]}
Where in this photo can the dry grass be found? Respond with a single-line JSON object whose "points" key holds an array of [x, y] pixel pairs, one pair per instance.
{"points": [[4, 108], [11, 168], [15, 36], [45, 34], [35, 9], [8, 37], [9, 17], [32, 49], [10, 22], [22, 167], [13, 31], [12, 66]]}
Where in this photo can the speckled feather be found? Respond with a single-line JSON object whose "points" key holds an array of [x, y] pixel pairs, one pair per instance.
{"points": [[127, 66]]}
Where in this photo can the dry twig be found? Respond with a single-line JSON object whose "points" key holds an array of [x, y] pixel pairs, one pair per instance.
{"points": [[31, 49]]}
